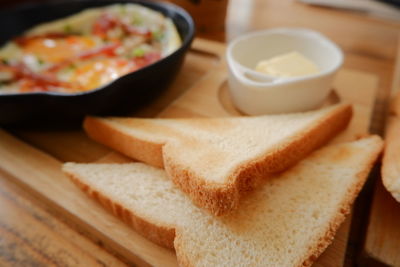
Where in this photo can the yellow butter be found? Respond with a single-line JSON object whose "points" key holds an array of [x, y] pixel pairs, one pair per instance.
{"points": [[292, 64]]}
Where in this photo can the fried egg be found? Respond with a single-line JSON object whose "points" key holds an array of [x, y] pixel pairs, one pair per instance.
{"points": [[87, 50]]}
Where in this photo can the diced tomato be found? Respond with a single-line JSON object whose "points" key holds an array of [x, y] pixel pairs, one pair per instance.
{"points": [[130, 29], [147, 59], [24, 40], [95, 66], [31, 82], [103, 24], [108, 50], [58, 66], [6, 68], [81, 41], [108, 21], [57, 50]]}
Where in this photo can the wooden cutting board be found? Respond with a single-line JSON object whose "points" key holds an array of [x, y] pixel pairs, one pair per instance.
{"points": [[382, 241], [39, 173], [382, 238]]}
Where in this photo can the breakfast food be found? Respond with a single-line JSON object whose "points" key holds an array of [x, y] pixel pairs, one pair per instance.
{"points": [[288, 65], [87, 50], [216, 161], [391, 157], [288, 221]]}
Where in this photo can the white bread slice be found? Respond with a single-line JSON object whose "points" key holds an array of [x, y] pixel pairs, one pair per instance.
{"points": [[217, 160], [288, 221], [391, 158]]}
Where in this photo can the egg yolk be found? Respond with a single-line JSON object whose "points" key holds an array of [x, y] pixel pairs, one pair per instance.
{"points": [[98, 72], [58, 49]]}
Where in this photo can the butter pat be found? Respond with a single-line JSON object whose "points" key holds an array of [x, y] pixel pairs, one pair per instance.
{"points": [[292, 64]]}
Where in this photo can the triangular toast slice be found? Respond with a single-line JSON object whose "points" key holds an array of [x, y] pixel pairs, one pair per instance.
{"points": [[217, 160], [288, 221]]}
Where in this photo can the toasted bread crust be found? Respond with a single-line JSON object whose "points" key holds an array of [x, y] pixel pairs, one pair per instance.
{"points": [[344, 210], [162, 235], [221, 199], [98, 130], [182, 258], [217, 199], [326, 239], [174, 233]]}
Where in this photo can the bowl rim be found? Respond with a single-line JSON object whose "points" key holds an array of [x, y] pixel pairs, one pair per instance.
{"points": [[163, 8], [302, 32]]}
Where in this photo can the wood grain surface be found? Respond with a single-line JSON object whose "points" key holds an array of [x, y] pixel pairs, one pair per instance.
{"points": [[382, 241], [41, 176], [31, 236], [370, 47]]}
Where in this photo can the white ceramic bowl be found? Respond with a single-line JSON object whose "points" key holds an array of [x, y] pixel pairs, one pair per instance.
{"points": [[255, 93]]}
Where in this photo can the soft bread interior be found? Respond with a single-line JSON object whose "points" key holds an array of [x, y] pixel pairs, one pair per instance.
{"points": [[288, 221], [231, 142], [217, 160]]}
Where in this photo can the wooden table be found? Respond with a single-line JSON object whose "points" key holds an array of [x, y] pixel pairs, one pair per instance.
{"points": [[370, 45]]}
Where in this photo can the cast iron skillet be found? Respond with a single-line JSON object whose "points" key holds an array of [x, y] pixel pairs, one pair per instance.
{"points": [[125, 94]]}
